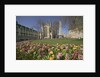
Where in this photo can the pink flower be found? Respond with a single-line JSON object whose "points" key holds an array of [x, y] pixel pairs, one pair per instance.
{"points": [[59, 55]]}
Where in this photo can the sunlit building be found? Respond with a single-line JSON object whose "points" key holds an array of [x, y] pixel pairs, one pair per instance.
{"points": [[47, 31], [75, 33]]}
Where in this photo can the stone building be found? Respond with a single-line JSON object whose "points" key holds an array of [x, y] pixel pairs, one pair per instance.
{"points": [[48, 31], [25, 33], [75, 33], [60, 35]]}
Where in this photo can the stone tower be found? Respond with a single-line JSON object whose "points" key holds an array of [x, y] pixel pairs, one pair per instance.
{"points": [[60, 28]]}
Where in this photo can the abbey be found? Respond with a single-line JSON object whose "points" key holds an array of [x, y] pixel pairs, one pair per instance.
{"points": [[48, 31]]}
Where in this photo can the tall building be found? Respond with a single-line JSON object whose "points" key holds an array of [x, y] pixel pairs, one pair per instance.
{"points": [[46, 31], [60, 35], [60, 28]]}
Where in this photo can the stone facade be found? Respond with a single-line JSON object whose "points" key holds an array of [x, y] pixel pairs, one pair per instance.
{"points": [[75, 34], [60, 35], [46, 32], [25, 33]]}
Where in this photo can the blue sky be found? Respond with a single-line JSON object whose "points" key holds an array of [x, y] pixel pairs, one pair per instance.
{"points": [[32, 21]]}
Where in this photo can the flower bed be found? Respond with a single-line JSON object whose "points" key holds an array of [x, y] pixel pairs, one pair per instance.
{"points": [[28, 50]]}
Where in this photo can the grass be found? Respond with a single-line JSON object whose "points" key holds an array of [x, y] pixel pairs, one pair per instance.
{"points": [[60, 41]]}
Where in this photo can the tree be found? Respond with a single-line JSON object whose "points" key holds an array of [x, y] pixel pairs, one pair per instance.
{"points": [[73, 22], [41, 23], [55, 27]]}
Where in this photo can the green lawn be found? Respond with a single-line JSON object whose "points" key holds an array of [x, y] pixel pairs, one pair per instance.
{"points": [[60, 41]]}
